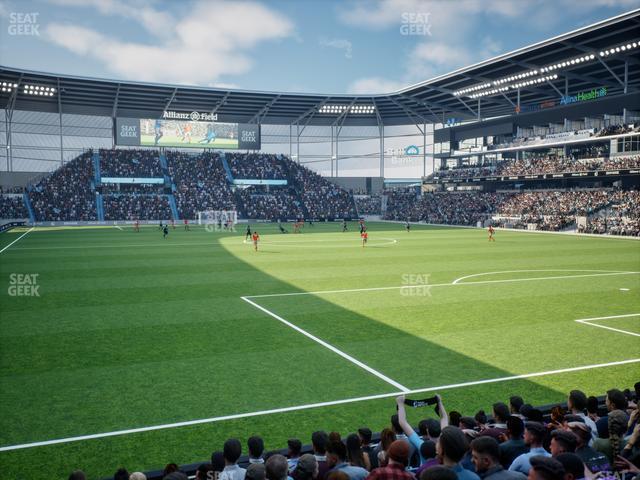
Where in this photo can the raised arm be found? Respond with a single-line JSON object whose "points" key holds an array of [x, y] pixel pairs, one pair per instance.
{"points": [[402, 417], [444, 416]]}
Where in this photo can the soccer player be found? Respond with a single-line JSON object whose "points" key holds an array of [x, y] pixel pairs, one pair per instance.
{"points": [[158, 131], [136, 226], [186, 133], [165, 231], [344, 225], [211, 135], [173, 224], [282, 230], [255, 237], [160, 226], [247, 235], [364, 236], [407, 226], [491, 231], [186, 225], [362, 227]]}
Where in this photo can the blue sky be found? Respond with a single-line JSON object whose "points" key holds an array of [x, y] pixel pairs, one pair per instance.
{"points": [[323, 46]]}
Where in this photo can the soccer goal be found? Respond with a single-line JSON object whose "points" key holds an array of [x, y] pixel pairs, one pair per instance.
{"points": [[218, 218]]}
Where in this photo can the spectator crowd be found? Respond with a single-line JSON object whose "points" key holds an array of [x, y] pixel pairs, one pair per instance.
{"points": [[130, 163], [580, 439]]}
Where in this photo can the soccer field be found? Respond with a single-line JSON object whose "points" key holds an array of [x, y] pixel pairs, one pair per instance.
{"points": [[139, 350]]}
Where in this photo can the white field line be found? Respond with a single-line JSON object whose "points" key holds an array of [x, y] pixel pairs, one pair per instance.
{"points": [[586, 321], [329, 346], [483, 282], [517, 230], [118, 227], [16, 239], [458, 280], [310, 406]]}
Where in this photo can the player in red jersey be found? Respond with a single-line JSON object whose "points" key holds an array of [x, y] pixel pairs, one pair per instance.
{"points": [[186, 224], [491, 231], [255, 237], [364, 236]]}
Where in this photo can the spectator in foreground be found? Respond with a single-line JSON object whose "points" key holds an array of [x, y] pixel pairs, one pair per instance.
{"points": [[398, 460], [78, 475], [355, 455], [231, 452], [451, 447], [438, 473], [277, 467], [577, 404], [203, 472], [121, 474], [217, 461], [485, 453], [594, 460], [428, 452], [337, 460], [307, 468], [255, 445], [613, 446], [573, 466], [499, 425], [615, 400], [534, 433], [295, 447], [546, 468], [562, 441], [255, 471], [515, 445], [319, 441], [142, 476], [365, 443]]}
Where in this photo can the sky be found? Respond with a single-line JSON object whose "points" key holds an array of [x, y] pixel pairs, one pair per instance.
{"points": [[322, 46]]}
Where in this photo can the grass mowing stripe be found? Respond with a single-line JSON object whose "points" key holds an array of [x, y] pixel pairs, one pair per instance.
{"points": [[313, 405], [24, 234], [329, 346]]}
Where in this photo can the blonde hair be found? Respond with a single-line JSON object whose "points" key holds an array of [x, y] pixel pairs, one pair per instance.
{"points": [[137, 476]]}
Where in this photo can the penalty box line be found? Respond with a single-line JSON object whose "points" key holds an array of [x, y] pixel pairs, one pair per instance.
{"points": [[312, 406], [587, 321], [455, 283], [344, 355]]}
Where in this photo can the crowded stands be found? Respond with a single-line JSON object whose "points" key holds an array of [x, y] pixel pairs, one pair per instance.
{"points": [[66, 194], [130, 163], [200, 183], [259, 166], [12, 206], [136, 207], [538, 165], [583, 437]]}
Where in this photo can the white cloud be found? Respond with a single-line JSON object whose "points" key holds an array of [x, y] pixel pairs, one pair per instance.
{"points": [[212, 40], [154, 21], [338, 43], [373, 85]]}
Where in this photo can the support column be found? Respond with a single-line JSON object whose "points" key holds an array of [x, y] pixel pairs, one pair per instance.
{"points": [[381, 135], [331, 159], [424, 149]]}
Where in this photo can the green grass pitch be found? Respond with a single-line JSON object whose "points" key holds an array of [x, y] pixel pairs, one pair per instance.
{"points": [[176, 141], [131, 330]]}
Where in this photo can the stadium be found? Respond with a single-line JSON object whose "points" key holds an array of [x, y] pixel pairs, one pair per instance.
{"points": [[439, 282]]}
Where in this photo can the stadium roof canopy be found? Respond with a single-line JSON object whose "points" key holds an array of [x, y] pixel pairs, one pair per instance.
{"points": [[605, 54]]}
